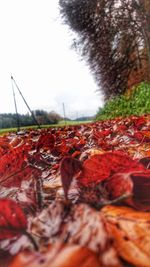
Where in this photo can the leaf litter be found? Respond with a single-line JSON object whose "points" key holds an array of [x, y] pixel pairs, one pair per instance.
{"points": [[76, 187]]}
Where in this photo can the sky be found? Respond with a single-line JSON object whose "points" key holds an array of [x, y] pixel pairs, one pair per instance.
{"points": [[35, 48]]}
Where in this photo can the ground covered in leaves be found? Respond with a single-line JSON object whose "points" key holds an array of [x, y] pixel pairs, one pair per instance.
{"points": [[76, 196]]}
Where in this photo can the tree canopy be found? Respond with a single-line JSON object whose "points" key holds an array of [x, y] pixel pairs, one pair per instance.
{"points": [[114, 38]]}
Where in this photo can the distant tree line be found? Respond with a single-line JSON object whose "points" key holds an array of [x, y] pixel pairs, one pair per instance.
{"points": [[9, 120], [85, 118]]}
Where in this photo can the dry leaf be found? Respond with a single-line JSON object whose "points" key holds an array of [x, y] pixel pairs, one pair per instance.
{"points": [[130, 232], [58, 255]]}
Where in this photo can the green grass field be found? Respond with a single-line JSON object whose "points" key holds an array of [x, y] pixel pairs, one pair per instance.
{"points": [[60, 124]]}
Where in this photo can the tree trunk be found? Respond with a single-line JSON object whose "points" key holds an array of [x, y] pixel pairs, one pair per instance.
{"points": [[145, 5]]}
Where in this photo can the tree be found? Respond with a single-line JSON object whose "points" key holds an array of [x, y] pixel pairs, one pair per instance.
{"points": [[143, 9], [43, 117], [114, 38], [54, 117]]}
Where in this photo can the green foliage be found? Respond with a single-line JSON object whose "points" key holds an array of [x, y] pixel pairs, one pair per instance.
{"points": [[135, 103]]}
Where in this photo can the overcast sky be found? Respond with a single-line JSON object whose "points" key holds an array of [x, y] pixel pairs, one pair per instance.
{"points": [[35, 49]]}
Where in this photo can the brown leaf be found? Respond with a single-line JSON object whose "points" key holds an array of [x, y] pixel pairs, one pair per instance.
{"points": [[145, 162], [58, 255], [82, 225], [69, 167], [130, 232], [141, 191]]}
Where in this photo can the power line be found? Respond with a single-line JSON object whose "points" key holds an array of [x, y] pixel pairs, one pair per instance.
{"points": [[17, 115], [32, 114], [64, 112]]}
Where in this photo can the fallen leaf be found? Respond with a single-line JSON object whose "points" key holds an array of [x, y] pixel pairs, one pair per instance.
{"points": [[12, 219], [134, 184], [130, 233], [58, 255], [100, 167], [68, 168]]}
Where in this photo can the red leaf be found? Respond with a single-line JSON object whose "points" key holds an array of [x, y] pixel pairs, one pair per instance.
{"points": [[76, 154], [137, 184], [100, 167], [139, 136], [141, 191], [140, 122], [12, 219], [119, 184], [4, 145], [68, 168], [13, 162], [61, 149], [16, 179], [101, 134], [46, 141]]}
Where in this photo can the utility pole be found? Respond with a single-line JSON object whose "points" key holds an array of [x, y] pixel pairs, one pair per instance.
{"points": [[32, 114], [17, 115], [64, 112], [77, 115]]}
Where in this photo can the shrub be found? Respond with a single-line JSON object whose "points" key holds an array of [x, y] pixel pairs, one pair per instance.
{"points": [[134, 102]]}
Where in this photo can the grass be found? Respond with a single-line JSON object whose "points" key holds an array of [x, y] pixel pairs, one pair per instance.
{"points": [[63, 123], [135, 102], [60, 124]]}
